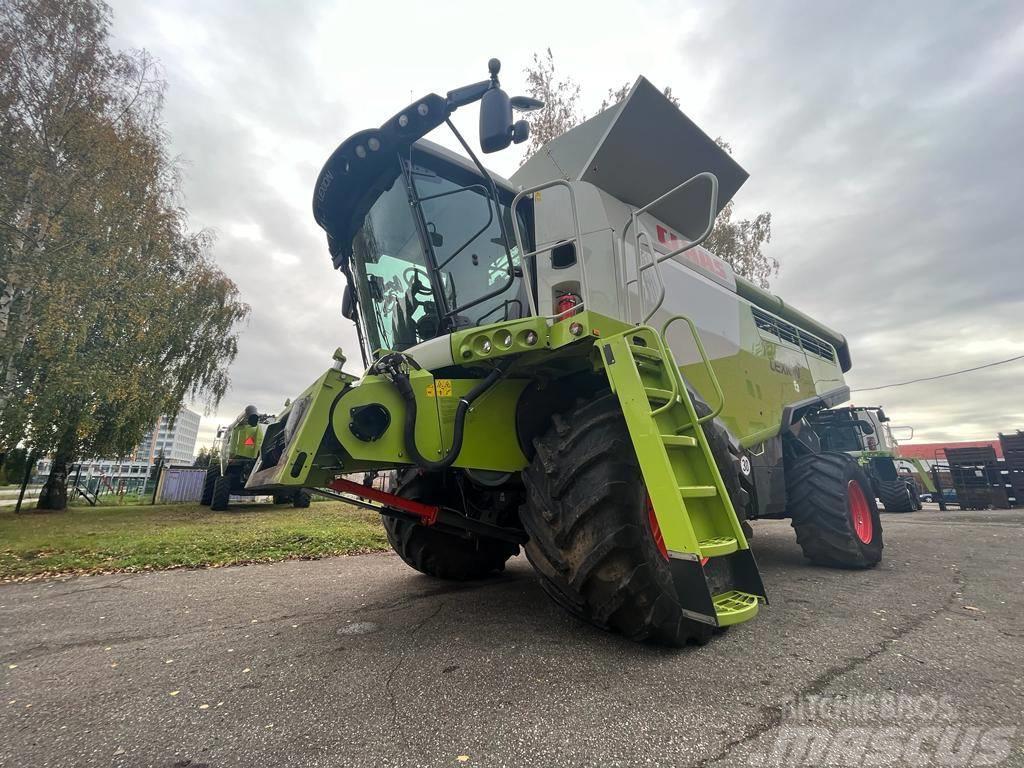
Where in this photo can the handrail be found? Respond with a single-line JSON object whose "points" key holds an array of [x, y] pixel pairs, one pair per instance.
{"points": [[577, 238], [704, 356], [633, 222]]}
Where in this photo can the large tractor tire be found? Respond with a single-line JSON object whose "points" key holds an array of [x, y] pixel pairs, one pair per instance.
{"points": [[221, 494], [591, 537], [895, 496], [301, 499], [833, 511], [439, 553], [212, 473]]}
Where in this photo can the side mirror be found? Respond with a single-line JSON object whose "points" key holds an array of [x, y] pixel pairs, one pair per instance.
{"points": [[252, 415], [865, 427], [348, 304], [220, 432], [496, 129]]}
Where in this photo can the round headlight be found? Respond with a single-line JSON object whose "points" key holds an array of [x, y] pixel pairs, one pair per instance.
{"points": [[360, 151], [531, 338], [423, 109], [403, 121], [373, 144]]}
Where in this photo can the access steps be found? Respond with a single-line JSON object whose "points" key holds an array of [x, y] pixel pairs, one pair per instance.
{"points": [[716, 578]]}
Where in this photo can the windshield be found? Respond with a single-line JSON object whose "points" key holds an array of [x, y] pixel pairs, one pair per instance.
{"points": [[402, 300]]}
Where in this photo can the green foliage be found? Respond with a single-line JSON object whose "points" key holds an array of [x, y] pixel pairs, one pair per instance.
{"points": [[111, 311], [87, 539], [739, 242], [207, 456]]}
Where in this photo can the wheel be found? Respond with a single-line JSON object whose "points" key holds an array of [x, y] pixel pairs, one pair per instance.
{"points": [[591, 536], [439, 553], [832, 510], [212, 473], [301, 499], [282, 498], [221, 494], [895, 496]]}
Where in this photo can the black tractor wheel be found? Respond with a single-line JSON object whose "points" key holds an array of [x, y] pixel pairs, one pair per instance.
{"points": [[833, 511], [439, 553], [591, 535], [895, 496], [301, 499], [212, 473], [221, 494]]}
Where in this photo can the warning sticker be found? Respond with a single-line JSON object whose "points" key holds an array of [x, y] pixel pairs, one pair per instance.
{"points": [[440, 388]]}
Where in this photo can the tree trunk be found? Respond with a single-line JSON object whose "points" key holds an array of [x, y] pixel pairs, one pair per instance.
{"points": [[54, 493]]}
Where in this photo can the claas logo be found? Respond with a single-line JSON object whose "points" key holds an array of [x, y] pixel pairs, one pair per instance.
{"points": [[250, 440]]}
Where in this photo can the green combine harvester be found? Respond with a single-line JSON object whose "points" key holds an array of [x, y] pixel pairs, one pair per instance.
{"points": [[865, 434], [239, 449], [553, 362]]}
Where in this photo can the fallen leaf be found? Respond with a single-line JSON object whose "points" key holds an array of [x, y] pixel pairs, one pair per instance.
{"points": [[175, 693], [12, 666], [463, 758], [246, 670], [971, 608], [204, 706]]}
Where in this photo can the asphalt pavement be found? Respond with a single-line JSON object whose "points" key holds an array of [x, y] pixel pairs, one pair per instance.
{"points": [[360, 661]]}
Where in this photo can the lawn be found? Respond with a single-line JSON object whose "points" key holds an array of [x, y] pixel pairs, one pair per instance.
{"points": [[135, 538]]}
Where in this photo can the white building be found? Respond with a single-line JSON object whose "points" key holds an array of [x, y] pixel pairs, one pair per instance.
{"points": [[177, 444]]}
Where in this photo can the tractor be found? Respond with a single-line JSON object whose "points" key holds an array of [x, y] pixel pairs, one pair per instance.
{"points": [[552, 362], [239, 449], [864, 433]]}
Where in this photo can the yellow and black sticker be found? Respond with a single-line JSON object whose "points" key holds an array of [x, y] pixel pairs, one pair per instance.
{"points": [[440, 388]]}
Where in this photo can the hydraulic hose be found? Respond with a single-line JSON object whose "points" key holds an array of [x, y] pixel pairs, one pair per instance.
{"points": [[401, 382]]}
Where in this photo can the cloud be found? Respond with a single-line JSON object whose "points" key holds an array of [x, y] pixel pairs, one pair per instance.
{"points": [[884, 138]]}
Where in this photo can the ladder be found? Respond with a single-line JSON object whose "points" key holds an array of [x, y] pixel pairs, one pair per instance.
{"points": [[690, 503]]}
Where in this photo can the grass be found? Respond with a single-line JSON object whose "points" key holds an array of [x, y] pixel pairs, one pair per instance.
{"points": [[137, 538]]}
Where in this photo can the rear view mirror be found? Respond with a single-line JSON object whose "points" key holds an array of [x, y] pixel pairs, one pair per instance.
{"points": [[865, 427], [495, 120], [348, 305], [252, 415]]}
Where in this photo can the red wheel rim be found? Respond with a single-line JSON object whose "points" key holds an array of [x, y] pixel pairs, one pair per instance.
{"points": [[652, 519], [860, 513]]}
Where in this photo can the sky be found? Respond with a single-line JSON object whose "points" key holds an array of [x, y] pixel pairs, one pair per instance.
{"points": [[886, 140]]}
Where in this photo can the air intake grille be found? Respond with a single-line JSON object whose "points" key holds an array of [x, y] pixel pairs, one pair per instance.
{"points": [[776, 326]]}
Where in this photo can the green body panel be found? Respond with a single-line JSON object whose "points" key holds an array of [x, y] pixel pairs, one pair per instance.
{"points": [[759, 380], [922, 473], [489, 436]]}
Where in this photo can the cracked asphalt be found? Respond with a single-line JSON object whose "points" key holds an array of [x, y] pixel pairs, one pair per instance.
{"points": [[360, 661]]}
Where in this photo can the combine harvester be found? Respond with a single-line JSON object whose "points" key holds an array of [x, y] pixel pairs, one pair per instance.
{"points": [[864, 433], [554, 362]]}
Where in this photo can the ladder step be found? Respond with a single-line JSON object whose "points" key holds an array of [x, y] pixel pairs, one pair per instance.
{"points": [[648, 353], [697, 491], [681, 441], [660, 395], [734, 606], [722, 545]]}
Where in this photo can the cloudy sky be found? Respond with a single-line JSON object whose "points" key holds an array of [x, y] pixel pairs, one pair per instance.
{"points": [[886, 139]]}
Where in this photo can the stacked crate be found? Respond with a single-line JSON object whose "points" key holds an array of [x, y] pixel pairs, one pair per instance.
{"points": [[1013, 457], [978, 478]]}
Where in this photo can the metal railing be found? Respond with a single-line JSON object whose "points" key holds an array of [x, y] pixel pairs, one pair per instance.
{"points": [[656, 260], [576, 240]]}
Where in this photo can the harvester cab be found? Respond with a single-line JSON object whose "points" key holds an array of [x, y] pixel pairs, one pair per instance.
{"points": [[553, 362]]}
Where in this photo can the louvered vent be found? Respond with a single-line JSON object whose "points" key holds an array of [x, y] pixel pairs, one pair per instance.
{"points": [[776, 326]]}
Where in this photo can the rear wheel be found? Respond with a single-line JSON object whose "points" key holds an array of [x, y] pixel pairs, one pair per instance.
{"points": [[833, 512], [895, 496], [221, 494], [212, 473], [301, 499], [593, 539], [439, 553]]}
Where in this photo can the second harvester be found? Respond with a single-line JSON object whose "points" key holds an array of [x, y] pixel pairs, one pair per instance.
{"points": [[553, 362]]}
